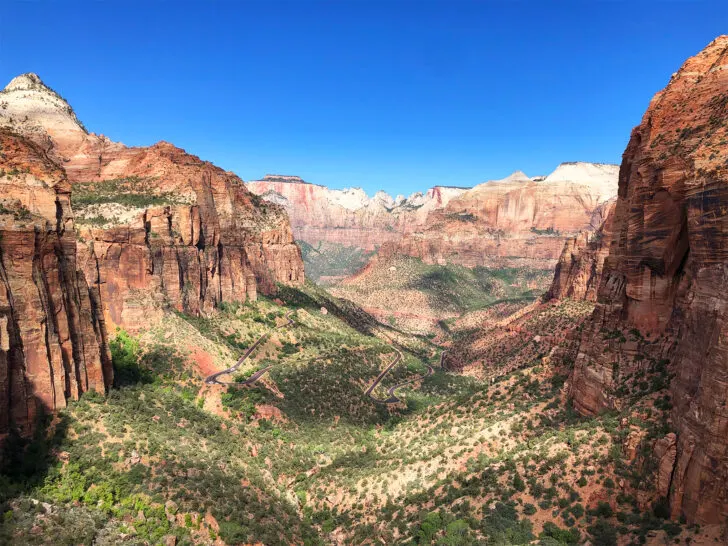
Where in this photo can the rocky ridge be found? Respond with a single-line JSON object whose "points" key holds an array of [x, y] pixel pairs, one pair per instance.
{"points": [[349, 216], [662, 298], [155, 225], [516, 220]]}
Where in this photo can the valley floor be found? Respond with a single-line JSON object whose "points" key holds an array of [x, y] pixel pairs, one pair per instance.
{"points": [[485, 450]]}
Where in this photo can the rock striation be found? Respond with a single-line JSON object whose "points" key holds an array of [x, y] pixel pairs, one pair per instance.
{"points": [[349, 217], [156, 226], [52, 334], [517, 220], [666, 281]]}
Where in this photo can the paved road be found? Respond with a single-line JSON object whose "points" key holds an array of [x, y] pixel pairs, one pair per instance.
{"points": [[213, 379], [392, 398]]}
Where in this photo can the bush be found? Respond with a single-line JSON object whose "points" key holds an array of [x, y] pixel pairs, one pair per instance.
{"points": [[125, 358], [603, 533], [565, 536]]}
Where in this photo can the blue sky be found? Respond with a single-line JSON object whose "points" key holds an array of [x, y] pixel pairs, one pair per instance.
{"points": [[399, 95]]}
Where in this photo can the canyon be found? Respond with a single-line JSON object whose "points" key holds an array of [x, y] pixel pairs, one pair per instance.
{"points": [[530, 359], [514, 221]]}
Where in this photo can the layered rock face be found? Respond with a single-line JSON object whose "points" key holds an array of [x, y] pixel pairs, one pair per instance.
{"points": [[156, 225], [349, 217], [666, 277], [516, 221], [52, 333], [578, 272]]}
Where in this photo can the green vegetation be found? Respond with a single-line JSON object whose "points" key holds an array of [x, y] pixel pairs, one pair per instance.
{"points": [[327, 262], [304, 457], [132, 191]]}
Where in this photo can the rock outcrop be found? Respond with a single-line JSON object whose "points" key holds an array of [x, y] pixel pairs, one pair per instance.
{"points": [[156, 226], [52, 333], [579, 269], [517, 221], [666, 281]]}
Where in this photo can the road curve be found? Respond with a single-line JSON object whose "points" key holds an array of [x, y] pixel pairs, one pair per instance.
{"points": [[392, 398], [213, 379]]}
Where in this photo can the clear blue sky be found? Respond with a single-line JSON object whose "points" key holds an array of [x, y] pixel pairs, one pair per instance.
{"points": [[400, 95]]}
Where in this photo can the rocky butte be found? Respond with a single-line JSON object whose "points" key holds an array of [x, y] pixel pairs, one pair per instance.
{"points": [[665, 284], [96, 235]]}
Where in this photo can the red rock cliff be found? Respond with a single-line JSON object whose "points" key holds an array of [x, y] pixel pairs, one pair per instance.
{"points": [[666, 275], [156, 226], [52, 334]]}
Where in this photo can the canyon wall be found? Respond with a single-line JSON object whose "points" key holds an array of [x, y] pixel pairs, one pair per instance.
{"points": [[156, 226], [52, 333], [517, 221], [665, 281], [578, 272], [349, 217], [95, 234]]}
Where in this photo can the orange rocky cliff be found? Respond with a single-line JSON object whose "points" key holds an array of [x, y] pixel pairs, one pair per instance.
{"points": [[52, 335], [155, 226], [666, 280], [515, 221]]}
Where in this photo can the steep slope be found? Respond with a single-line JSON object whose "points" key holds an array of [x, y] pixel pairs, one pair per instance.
{"points": [[516, 220], [52, 333], [156, 225], [663, 298]]}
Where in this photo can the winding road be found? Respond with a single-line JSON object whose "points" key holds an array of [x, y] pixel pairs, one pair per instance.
{"points": [[392, 398], [213, 379]]}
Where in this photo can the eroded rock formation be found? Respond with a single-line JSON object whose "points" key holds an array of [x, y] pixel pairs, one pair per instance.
{"points": [[349, 217], [52, 334], [666, 281], [516, 221], [156, 225]]}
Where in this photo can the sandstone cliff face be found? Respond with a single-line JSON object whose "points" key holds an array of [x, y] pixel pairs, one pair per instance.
{"points": [[579, 269], [515, 221], [156, 225], [52, 333], [666, 277], [349, 217]]}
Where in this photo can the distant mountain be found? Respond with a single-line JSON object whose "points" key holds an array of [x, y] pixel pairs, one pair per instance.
{"points": [[513, 218]]}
